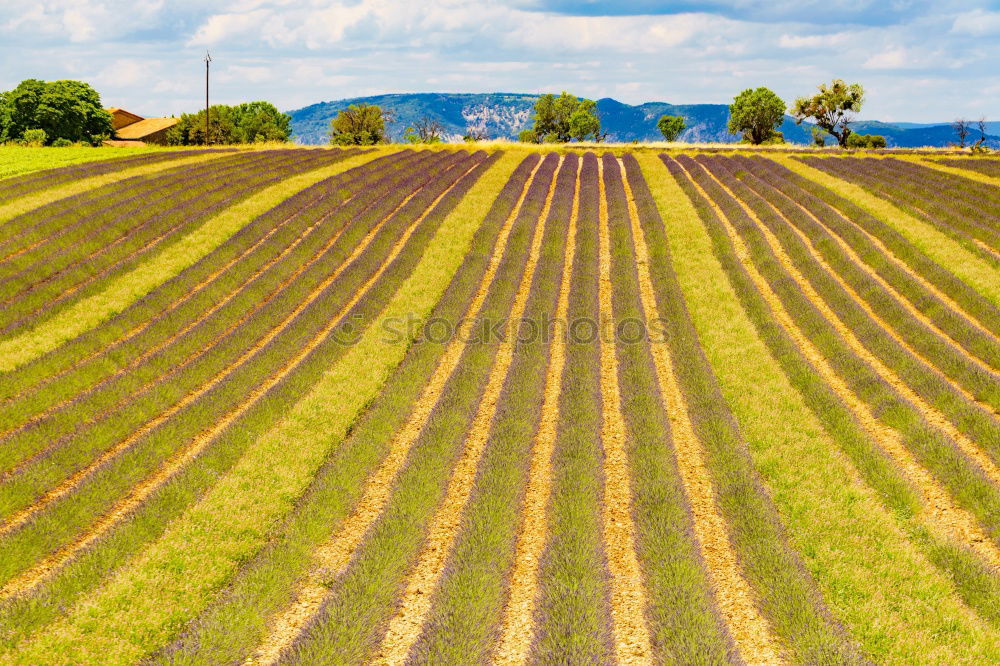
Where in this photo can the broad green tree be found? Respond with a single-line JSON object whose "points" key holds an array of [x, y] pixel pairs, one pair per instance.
{"points": [[671, 127], [833, 108], [359, 125], [756, 114], [252, 122], [69, 110], [563, 119]]}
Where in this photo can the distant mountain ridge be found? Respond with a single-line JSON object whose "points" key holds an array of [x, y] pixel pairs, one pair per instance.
{"points": [[504, 115]]}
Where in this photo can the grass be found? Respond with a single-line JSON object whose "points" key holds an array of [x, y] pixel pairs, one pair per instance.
{"points": [[264, 303], [128, 288], [787, 594], [329, 381], [895, 181], [18, 160], [29, 202], [953, 320], [684, 619], [84, 265], [846, 514]]}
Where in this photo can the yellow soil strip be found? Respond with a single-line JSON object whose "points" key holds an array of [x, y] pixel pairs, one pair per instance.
{"points": [[942, 513], [968, 174], [335, 554], [929, 286], [27, 580], [422, 581], [518, 628], [32, 201], [70, 483], [890, 330], [755, 639], [628, 593], [928, 411]]}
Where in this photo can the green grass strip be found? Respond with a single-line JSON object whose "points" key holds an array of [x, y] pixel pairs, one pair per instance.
{"points": [[127, 289], [177, 576], [946, 251], [573, 619], [847, 534], [19, 160]]}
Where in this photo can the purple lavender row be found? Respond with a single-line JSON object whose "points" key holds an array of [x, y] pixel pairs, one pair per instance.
{"points": [[77, 284], [19, 186], [62, 519], [891, 185], [185, 361], [48, 221], [985, 166], [46, 256]]}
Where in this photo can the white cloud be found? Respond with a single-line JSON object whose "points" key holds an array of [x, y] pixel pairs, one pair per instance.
{"points": [[978, 23], [891, 58]]}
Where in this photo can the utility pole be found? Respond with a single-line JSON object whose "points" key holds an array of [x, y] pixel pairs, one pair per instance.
{"points": [[208, 59]]}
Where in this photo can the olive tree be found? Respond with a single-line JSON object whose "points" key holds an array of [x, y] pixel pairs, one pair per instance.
{"points": [[563, 119], [756, 114], [359, 125], [670, 127], [833, 108]]}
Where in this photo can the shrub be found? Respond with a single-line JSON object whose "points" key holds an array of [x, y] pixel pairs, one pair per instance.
{"points": [[528, 136], [866, 141], [61, 143], [34, 137]]}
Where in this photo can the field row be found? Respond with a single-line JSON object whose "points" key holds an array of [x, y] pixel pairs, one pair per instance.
{"points": [[459, 407]]}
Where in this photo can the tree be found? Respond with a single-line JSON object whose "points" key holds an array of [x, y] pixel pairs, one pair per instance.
{"points": [[961, 127], [257, 122], [670, 127], [833, 108], [68, 110], [424, 130], [563, 119], [251, 122], [756, 114], [981, 126], [190, 129], [359, 125], [866, 141]]}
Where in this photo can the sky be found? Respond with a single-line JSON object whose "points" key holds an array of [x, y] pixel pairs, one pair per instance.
{"points": [[920, 61]]}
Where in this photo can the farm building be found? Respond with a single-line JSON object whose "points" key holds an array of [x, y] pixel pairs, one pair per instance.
{"points": [[131, 129]]}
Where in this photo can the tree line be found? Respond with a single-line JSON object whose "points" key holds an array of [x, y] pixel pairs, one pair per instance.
{"points": [[755, 115], [62, 113]]}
